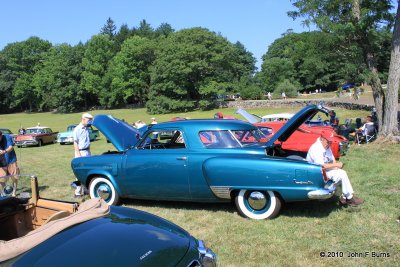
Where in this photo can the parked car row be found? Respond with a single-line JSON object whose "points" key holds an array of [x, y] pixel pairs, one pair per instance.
{"points": [[41, 135]]}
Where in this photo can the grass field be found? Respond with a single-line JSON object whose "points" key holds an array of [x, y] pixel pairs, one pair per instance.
{"points": [[295, 238]]}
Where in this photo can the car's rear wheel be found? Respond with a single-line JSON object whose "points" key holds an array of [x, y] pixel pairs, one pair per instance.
{"points": [[257, 204], [101, 187]]}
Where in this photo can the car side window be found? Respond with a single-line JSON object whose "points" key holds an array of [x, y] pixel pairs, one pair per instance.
{"points": [[163, 139], [218, 139]]}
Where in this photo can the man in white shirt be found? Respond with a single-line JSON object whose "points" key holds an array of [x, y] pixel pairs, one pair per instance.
{"points": [[82, 145], [320, 153], [81, 137], [367, 129]]}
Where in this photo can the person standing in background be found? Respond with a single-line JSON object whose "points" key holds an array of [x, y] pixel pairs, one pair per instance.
{"points": [[82, 144], [8, 161]]}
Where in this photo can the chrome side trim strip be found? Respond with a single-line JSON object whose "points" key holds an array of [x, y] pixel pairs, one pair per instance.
{"points": [[221, 191]]}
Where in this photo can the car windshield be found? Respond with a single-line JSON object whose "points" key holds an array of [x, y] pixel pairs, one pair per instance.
{"points": [[34, 131], [71, 128]]}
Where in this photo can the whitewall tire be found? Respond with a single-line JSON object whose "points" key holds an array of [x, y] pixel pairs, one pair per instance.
{"points": [[101, 187], [257, 204]]}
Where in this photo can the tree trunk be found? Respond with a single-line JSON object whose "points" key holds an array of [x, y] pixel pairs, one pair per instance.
{"points": [[390, 127], [377, 91], [378, 95]]}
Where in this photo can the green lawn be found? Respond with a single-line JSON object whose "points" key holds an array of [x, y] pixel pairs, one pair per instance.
{"points": [[295, 238]]}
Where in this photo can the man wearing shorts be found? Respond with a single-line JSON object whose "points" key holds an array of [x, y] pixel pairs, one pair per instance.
{"points": [[8, 162]]}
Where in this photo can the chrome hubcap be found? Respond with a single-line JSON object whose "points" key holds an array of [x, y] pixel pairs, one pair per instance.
{"points": [[257, 200], [103, 191]]}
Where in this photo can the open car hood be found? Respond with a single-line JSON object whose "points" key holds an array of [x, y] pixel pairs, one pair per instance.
{"points": [[249, 117], [291, 125], [298, 119], [119, 133]]}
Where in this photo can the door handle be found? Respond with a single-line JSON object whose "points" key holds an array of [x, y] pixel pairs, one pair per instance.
{"points": [[182, 158]]}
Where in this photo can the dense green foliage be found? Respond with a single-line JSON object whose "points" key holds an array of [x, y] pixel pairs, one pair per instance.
{"points": [[192, 67], [364, 28], [169, 71]]}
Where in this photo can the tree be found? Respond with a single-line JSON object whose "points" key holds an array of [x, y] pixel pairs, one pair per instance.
{"points": [[109, 28], [164, 30], [392, 94], [129, 72], [57, 83], [7, 80], [21, 60], [122, 34], [95, 63], [359, 23], [309, 59], [145, 30], [192, 67], [288, 87]]}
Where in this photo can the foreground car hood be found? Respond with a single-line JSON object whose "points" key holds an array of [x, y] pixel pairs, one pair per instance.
{"points": [[125, 237], [119, 133], [291, 125]]}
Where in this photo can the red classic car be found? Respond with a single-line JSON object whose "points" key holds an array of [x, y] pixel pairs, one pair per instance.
{"points": [[36, 136], [301, 140]]}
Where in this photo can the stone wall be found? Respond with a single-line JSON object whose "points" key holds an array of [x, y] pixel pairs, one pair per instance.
{"points": [[248, 104]]}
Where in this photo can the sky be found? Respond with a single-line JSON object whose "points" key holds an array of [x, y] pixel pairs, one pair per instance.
{"points": [[255, 23]]}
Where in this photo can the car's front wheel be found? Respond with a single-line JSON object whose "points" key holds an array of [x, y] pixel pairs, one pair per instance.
{"points": [[101, 187], [257, 204]]}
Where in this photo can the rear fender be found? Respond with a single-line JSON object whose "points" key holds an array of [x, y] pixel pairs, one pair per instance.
{"points": [[292, 179]]}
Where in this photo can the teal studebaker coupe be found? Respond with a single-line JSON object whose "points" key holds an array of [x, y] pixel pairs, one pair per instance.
{"points": [[203, 161]]}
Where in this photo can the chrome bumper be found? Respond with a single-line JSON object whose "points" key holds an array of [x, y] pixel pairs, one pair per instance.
{"points": [[65, 140], [321, 194], [207, 257], [26, 143]]}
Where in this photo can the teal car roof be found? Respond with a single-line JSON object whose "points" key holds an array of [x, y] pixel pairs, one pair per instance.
{"points": [[206, 124]]}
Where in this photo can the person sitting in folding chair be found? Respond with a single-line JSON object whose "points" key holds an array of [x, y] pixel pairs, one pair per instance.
{"points": [[367, 132]]}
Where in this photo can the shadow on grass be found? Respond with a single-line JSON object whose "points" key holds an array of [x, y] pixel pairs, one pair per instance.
{"points": [[43, 187], [192, 206], [312, 209]]}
